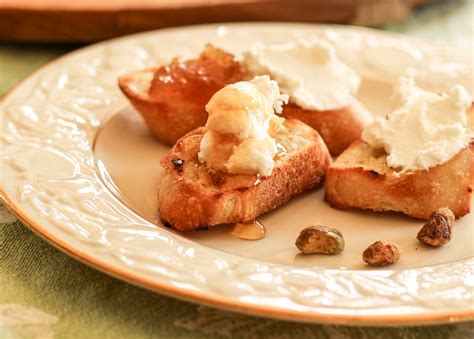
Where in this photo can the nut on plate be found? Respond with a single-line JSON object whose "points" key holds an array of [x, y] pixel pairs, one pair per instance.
{"points": [[320, 240], [438, 228], [381, 253]]}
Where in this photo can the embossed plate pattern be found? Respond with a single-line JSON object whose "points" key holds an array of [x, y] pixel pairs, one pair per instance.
{"points": [[49, 178]]}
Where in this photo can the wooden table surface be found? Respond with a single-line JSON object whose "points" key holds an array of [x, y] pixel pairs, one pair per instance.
{"points": [[88, 20]]}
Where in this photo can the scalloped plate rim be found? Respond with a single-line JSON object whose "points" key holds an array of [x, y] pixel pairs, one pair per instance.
{"points": [[225, 303]]}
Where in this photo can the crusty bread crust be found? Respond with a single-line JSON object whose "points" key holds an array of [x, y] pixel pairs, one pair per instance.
{"points": [[172, 98], [375, 186], [192, 196], [338, 128], [166, 124], [171, 110]]}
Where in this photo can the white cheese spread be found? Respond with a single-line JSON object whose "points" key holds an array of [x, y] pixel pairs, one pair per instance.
{"points": [[240, 126], [308, 71], [425, 129]]}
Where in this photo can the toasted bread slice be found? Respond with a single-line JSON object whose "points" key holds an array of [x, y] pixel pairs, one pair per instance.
{"points": [[172, 98], [338, 128], [191, 195], [361, 178]]}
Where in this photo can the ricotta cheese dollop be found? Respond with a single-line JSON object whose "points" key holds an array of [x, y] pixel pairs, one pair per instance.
{"points": [[241, 127], [425, 129], [308, 71]]}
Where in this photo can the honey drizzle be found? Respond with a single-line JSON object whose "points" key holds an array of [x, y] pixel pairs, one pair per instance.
{"points": [[249, 231], [281, 152]]}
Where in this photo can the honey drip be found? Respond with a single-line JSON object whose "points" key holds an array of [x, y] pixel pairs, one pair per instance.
{"points": [[249, 231], [281, 152]]}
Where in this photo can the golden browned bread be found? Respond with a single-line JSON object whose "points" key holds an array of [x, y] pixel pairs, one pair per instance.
{"points": [[361, 178], [172, 98], [338, 128], [191, 195]]}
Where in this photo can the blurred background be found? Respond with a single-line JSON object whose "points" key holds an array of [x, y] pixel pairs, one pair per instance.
{"points": [[82, 21], [35, 31], [87, 20]]}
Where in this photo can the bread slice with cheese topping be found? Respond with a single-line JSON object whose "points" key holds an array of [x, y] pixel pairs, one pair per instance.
{"points": [[192, 196], [361, 178], [171, 99]]}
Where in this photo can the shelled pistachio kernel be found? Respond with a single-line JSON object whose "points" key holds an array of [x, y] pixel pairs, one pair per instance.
{"points": [[381, 253], [438, 229], [320, 240]]}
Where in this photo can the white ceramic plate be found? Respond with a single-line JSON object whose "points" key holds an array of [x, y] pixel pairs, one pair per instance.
{"points": [[80, 168]]}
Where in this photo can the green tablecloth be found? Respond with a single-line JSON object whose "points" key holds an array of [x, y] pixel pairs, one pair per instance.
{"points": [[46, 294]]}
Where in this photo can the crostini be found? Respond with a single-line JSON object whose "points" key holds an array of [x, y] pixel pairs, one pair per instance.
{"points": [[418, 159], [171, 98], [246, 161]]}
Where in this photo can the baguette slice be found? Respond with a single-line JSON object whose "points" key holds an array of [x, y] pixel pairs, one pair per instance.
{"points": [[361, 178], [175, 107], [171, 99], [338, 128], [192, 196]]}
